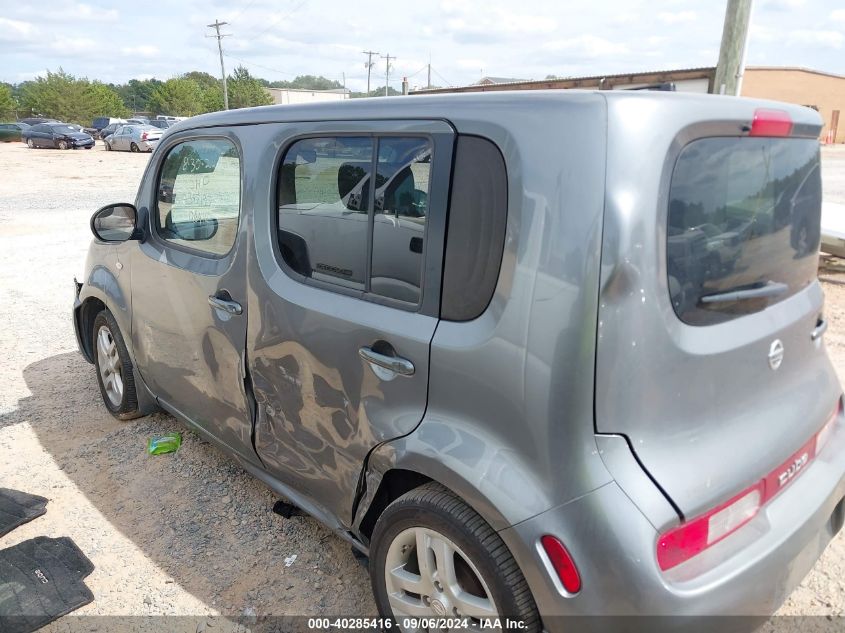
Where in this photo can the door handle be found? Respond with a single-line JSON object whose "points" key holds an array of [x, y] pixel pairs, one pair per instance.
{"points": [[821, 328], [227, 305], [396, 364]]}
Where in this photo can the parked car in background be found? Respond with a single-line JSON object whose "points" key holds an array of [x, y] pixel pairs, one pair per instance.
{"points": [[468, 345], [133, 138], [109, 130], [87, 130], [103, 121], [139, 120], [57, 136], [162, 124], [35, 120], [10, 132]]}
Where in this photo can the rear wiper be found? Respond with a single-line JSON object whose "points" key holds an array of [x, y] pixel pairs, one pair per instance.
{"points": [[770, 289]]}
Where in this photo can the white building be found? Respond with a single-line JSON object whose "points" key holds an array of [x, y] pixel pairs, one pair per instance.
{"points": [[285, 96]]}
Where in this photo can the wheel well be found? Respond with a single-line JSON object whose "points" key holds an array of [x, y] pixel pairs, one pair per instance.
{"points": [[88, 312], [394, 484]]}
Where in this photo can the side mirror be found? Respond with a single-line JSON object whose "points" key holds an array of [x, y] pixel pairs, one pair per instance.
{"points": [[116, 223]]}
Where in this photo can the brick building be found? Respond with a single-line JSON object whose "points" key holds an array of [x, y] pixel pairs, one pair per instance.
{"points": [[823, 91]]}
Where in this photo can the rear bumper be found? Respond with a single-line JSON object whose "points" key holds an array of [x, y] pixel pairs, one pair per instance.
{"points": [[749, 573]]}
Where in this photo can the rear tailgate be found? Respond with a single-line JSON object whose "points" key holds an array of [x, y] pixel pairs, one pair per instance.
{"points": [[714, 391]]}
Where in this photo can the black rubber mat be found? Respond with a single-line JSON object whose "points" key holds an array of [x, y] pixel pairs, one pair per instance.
{"points": [[40, 581], [17, 508]]}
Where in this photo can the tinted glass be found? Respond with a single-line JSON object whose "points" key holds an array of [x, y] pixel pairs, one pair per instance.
{"points": [[64, 129], [199, 196], [324, 202], [401, 205], [744, 214]]}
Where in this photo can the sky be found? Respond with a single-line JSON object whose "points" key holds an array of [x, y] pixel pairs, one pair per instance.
{"points": [[463, 40]]}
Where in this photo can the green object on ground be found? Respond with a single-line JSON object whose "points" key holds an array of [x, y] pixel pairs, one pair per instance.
{"points": [[167, 443]]}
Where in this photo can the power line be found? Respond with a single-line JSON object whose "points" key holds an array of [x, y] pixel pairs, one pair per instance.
{"points": [[216, 26], [277, 20], [448, 83], [241, 12], [369, 64], [257, 65]]}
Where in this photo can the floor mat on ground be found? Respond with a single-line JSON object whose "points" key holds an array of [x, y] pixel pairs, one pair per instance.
{"points": [[40, 581], [17, 508]]}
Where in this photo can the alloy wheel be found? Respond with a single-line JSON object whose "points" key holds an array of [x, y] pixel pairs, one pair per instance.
{"points": [[62, 144], [110, 366], [30, 144], [429, 576]]}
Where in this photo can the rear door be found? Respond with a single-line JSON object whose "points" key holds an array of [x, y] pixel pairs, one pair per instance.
{"points": [[347, 292], [710, 359]]}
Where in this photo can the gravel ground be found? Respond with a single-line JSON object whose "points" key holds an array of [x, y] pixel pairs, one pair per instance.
{"points": [[188, 533]]}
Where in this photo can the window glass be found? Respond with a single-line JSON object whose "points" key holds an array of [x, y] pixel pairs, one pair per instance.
{"points": [[401, 205], [744, 217], [199, 196], [324, 202]]}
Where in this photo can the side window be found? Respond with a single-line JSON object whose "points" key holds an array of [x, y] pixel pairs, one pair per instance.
{"points": [[402, 173], [198, 196], [324, 200], [328, 209]]}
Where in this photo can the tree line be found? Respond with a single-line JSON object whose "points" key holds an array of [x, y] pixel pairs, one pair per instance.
{"points": [[62, 96]]}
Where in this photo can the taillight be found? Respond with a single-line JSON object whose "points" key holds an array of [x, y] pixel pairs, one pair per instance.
{"points": [[144, 136], [563, 564], [769, 122], [693, 537]]}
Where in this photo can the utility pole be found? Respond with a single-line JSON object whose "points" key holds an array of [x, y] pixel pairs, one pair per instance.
{"points": [[428, 85], [369, 64], [728, 78], [216, 26], [387, 59]]}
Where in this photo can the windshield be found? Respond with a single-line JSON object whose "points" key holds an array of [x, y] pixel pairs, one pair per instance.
{"points": [[744, 215], [64, 129]]}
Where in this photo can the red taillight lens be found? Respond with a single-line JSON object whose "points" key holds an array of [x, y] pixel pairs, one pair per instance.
{"points": [[693, 537], [769, 122], [144, 136], [562, 563]]}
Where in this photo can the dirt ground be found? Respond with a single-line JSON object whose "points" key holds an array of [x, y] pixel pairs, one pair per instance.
{"points": [[188, 533]]}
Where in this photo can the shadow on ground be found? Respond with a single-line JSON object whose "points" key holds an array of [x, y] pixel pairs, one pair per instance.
{"points": [[196, 514]]}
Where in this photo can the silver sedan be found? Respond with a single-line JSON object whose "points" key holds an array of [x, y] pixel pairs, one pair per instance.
{"points": [[134, 138]]}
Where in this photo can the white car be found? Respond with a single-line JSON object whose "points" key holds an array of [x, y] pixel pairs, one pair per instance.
{"points": [[134, 138]]}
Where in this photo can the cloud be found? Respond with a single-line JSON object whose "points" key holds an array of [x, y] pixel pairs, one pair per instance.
{"points": [[587, 47], [783, 5], [73, 45], [677, 18], [838, 15], [818, 38], [143, 50]]}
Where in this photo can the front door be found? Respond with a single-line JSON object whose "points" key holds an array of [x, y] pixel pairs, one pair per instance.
{"points": [[188, 286], [347, 285]]}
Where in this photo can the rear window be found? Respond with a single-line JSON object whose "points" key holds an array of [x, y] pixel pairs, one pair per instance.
{"points": [[744, 225]]}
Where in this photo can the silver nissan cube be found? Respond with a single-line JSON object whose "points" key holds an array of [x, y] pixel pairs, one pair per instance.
{"points": [[537, 355]]}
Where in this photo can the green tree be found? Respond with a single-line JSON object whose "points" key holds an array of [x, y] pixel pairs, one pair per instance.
{"points": [[308, 82], [245, 91], [103, 100], [64, 97], [177, 97], [8, 106]]}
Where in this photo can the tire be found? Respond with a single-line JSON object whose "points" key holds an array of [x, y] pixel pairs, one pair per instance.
{"points": [[134, 148], [114, 368], [481, 564], [63, 145], [30, 144], [90, 147], [108, 147]]}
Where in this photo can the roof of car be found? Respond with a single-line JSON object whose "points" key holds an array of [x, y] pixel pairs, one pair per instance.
{"points": [[458, 105]]}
